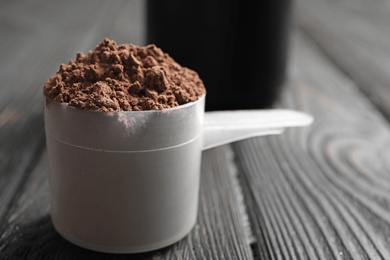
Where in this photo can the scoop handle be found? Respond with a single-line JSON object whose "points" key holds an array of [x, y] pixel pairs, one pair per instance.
{"points": [[222, 127]]}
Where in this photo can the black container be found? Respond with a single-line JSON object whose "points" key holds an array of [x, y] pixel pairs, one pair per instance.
{"points": [[239, 48]]}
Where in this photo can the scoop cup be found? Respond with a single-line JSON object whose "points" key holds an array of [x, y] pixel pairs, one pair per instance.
{"points": [[128, 182]]}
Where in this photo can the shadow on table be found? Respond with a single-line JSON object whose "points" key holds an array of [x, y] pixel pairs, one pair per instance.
{"points": [[39, 240]]}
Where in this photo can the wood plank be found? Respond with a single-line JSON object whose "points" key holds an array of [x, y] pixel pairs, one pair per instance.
{"points": [[356, 36], [220, 232], [320, 192]]}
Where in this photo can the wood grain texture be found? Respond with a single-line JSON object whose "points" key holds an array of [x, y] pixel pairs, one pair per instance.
{"points": [[320, 192], [356, 36]]}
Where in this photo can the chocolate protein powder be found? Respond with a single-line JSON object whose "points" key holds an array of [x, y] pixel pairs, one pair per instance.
{"points": [[123, 77]]}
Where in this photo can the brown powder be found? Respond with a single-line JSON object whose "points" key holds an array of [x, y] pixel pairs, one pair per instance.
{"points": [[123, 78]]}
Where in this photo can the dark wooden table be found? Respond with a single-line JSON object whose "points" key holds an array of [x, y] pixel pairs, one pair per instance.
{"points": [[320, 192]]}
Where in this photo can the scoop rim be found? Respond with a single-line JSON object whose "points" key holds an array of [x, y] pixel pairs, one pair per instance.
{"points": [[67, 106]]}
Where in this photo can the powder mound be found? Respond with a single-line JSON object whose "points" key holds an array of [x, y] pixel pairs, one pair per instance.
{"points": [[123, 77]]}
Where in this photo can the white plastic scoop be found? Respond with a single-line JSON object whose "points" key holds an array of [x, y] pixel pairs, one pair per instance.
{"points": [[223, 127], [128, 182]]}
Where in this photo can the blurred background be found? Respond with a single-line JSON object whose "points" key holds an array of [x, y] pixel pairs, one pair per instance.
{"points": [[239, 49]]}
